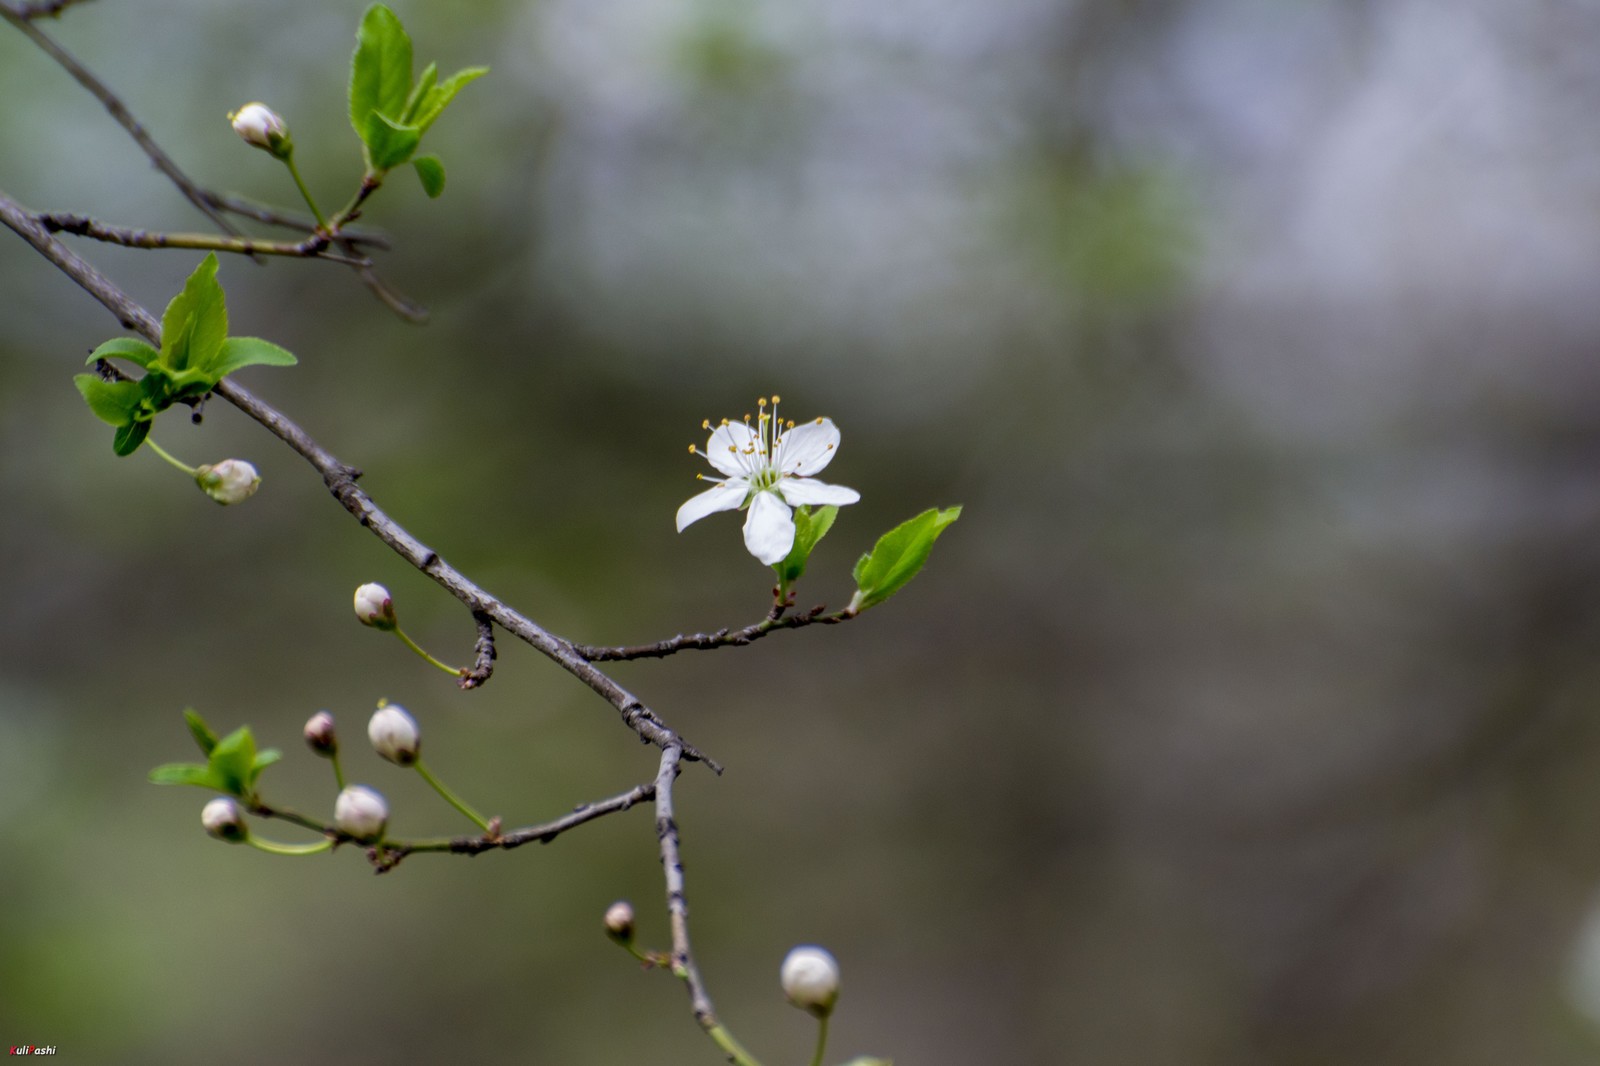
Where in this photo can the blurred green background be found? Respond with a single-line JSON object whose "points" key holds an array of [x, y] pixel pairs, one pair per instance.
{"points": [[1248, 716]]}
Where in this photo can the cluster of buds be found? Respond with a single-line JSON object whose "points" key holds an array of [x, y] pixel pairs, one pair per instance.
{"points": [[262, 127]]}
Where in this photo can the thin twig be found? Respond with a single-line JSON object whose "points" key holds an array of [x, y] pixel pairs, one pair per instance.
{"points": [[45, 9], [483, 665], [313, 247], [722, 638], [340, 478], [119, 112], [273, 216]]}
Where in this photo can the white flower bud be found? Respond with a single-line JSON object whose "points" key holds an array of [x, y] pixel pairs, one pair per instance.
{"points": [[320, 735], [224, 819], [619, 920], [360, 812], [260, 126], [394, 734], [375, 607], [810, 979], [230, 481]]}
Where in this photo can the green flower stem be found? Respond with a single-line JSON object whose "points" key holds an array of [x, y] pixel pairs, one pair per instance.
{"points": [[305, 193], [453, 671], [272, 847], [451, 798], [159, 450], [822, 1040], [731, 1047], [338, 771]]}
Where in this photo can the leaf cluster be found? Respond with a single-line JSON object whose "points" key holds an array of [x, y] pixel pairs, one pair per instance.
{"points": [[196, 353], [232, 763]]}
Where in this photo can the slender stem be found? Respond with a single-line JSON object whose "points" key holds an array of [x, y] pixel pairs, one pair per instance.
{"points": [[313, 247], [453, 671], [305, 193], [338, 771], [163, 453], [451, 798], [822, 1040], [272, 847], [734, 1050]]}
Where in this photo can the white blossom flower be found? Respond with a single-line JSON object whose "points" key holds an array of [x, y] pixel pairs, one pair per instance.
{"points": [[768, 467], [374, 606], [230, 481], [394, 734], [360, 812], [262, 127], [810, 979]]}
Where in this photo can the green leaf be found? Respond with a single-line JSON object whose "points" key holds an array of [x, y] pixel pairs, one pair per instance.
{"points": [[185, 773], [425, 82], [113, 402], [436, 99], [129, 348], [380, 70], [898, 556], [388, 143], [868, 1060], [196, 321], [202, 733], [129, 437], [431, 171], [809, 527], [240, 352], [233, 760], [263, 760]]}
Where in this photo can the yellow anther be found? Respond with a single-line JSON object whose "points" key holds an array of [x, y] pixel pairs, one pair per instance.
{"points": [[733, 450], [762, 402], [691, 449], [776, 398], [819, 421], [705, 423], [747, 420], [791, 423]]}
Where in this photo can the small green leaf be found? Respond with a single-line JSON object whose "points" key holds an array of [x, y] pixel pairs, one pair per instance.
{"points": [[431, 171], [113, 402], [388, 143], [233, 760], [380, 70], [196, 321], [240, 352], [202, 733], [129, 348], [809, 527], [185, 773], [868, 1060], [263, 760], [425, 82], [436, 99], [129, 437], [898, 556]]}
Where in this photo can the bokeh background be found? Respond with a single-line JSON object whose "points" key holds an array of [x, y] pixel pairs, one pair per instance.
{"points": [[1250, 715]]}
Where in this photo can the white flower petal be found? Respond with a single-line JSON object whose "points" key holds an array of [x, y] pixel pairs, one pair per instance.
{"points": [[732, 449], [769, 528], [726, 496], [808, 448], [798, 490]]}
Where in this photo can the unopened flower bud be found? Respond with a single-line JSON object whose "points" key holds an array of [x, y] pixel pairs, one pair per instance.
{"points": [[224, 819], [394, 734], [259, 125], [360, 812], [320, 736], [230, 481], [375, 607], [810, 979], [619, 921]]}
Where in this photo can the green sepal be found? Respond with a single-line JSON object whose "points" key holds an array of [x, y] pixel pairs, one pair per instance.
{"points": [[898, 556], [436, 99], [129, 348], [113, 402], [380, 70], [240, 352], [196, 321], [431, 172], [809, 527], [129, 437], [388, 142], [185, 773], [203, 734]]}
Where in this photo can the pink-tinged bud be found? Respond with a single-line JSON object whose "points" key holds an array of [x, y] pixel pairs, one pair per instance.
{"points": [[619, 921], [375, 607], [230, 481], [320, 736], [394, 734], [260, 126], [810, 979], [224, 819], [360, 812]]}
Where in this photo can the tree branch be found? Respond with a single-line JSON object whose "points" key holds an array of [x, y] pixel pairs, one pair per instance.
{"points": [[313, 247], [42, 9], [722, 638], [483, 665]]}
